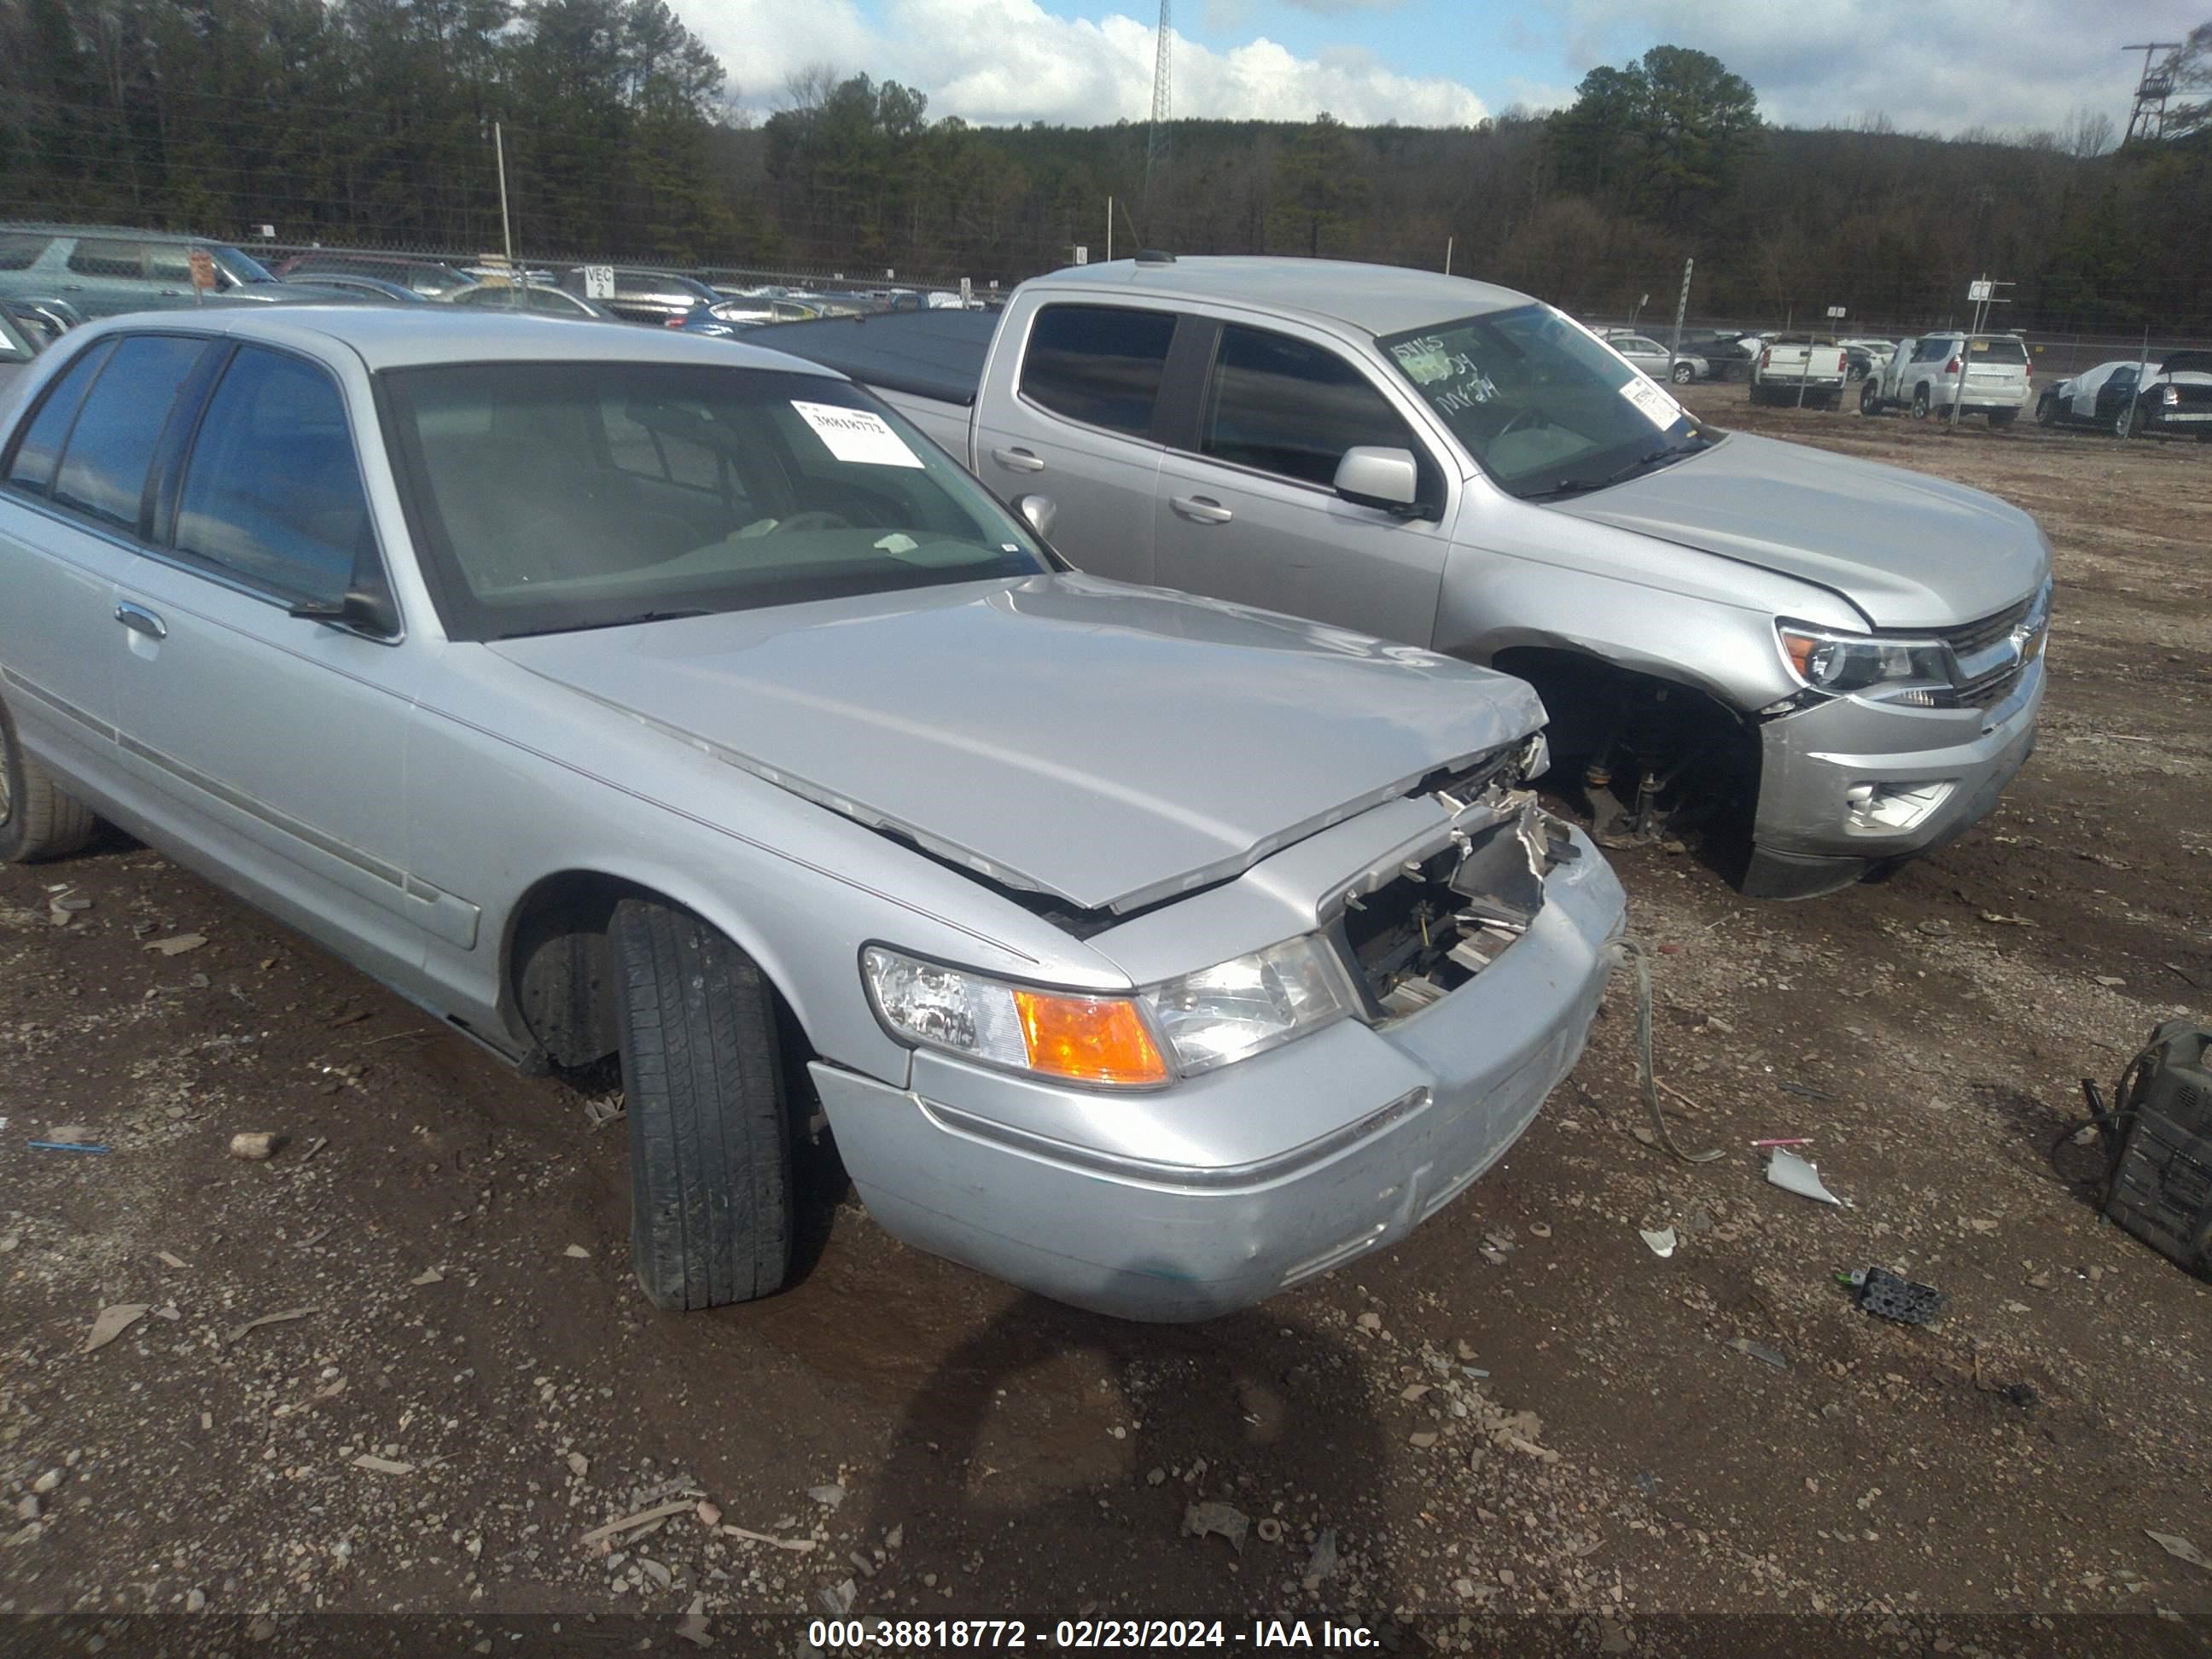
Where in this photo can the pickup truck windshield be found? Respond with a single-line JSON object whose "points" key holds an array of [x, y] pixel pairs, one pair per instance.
{"points": [[548, 496], [1543, 407]]}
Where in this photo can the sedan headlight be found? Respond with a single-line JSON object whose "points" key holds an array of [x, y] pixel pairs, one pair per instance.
{"points": [[1245, 1006], [1227, 1012], [1841, 663]]}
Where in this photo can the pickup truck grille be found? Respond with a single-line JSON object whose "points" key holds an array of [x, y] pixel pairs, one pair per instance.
{"points": [[1980, 635], [1991, 671]]}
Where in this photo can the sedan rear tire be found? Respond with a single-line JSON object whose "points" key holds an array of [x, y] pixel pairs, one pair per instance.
{"points": [[39, 819], [709, 1126]]}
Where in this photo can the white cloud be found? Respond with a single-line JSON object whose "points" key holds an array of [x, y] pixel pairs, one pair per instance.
{"points": [[1006, 61], [1938, 67]]}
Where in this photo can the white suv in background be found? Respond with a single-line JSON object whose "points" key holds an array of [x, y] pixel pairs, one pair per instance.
{"points": [[1982, 373]]}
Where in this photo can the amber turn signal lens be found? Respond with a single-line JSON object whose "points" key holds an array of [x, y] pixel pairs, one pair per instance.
{"points": [[1092, 1040], [1799, 648]]}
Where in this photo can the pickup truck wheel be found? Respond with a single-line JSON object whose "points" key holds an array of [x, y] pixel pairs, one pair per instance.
{"points": [[1920, 402], [1869, 398], [39, 819], [709, 1129]]}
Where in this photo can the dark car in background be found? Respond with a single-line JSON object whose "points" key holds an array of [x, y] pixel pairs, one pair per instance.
{"points": [[432, 279], [2175, 398], [41, 321], [102, 272], [645, 297], [371, 291], [538, 299]]}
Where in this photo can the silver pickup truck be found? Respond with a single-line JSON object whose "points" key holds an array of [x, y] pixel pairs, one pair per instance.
{"points": [[1835, 665]]}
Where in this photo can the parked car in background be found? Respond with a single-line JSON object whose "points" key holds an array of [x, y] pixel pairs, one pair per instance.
{"points": [[728, 317], [2175, 398], [538, 299], [1654, 359], [1985, 374], [434, 279], [1751, 633], [606, 696], [1800, 369], [18, 345], [645, 297], [46, 320], [2093, 398], [101, 272], [372, 291]]}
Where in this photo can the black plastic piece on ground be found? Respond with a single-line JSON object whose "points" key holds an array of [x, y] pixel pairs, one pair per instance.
{"points": [[1883, 1293]]}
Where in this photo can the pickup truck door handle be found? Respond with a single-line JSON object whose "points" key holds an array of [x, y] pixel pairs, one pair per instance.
{"points": [[139, 620], [1200, 509], [1018, 460]]}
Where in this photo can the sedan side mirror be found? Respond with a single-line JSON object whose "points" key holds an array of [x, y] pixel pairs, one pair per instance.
{"points": [[1039, 512], [1369, 475]]}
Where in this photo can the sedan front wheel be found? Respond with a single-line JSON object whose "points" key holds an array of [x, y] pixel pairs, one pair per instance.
{"points": [[709, 1128], [39, 819]]}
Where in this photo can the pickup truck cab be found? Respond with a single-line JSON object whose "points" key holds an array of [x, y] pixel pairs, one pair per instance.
{"points": [[1717, 622], [1984, 375]]}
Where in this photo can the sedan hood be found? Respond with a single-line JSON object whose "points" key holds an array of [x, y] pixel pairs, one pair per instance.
{"points": [[1108, 744], [1907, 549]]}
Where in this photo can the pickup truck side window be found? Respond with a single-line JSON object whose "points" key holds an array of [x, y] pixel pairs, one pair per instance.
{"points": [[103, 469], [272, 492], [1099, 364], [1281, 405], [31, 471]]}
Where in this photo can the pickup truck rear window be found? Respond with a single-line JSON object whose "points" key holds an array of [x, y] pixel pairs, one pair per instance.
{"points": [[1099, 364], [550, 496], [1545, 408]]}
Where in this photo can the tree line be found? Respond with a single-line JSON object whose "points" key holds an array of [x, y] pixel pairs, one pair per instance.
{"points": [[372, 122]]}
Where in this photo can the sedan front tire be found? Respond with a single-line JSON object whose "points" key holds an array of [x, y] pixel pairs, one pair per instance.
{"points": [[39, 819]]}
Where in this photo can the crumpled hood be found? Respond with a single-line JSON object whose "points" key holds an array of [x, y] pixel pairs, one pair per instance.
{"points": [[1909, 551], [1108, 745]]}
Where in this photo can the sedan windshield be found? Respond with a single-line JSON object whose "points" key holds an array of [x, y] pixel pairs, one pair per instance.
{"points": [[240, 266], [548, 496], [1543, 407]]}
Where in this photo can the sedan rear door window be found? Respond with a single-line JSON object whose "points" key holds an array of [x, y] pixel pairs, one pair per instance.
{"points": [[272, 492], [40, 447], [1101, 365], [103, 471]]}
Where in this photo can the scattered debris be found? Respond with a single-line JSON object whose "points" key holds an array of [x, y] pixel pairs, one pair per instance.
{"points": [[1997, 920], [1224, 1519], [630, 1523], [693, 1627], [796, 1545], [256, 1147], [839, 1597], [2109, 981], [177, 944], [286, 1317], [1883, 1293], [1270, 1529], [314, 1146], [578, 1251], [710, 1515], [2178, 1547], [1662, 1243], [1760, 1352], [382, 1465], [428, 1276], [168, 1261], [1793, 1173], [828, 1496], [1806, 1091], [1321, 1564], [112, 1322], [66, 1146], [600, 1113], [1421, 1441], [579, 1465], [1785, 1141]]}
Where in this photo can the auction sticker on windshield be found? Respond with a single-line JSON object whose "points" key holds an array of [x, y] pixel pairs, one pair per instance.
{"points": [[1656, 406], [856, 435]]}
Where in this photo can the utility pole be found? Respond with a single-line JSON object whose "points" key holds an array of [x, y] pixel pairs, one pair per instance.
{"points": [[505, 231], [1156, 137], [1109, 227], [1448, 253], [1681, 310]]}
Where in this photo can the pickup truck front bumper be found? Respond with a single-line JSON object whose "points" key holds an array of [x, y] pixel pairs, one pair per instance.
{"points": [[1267, 1171], [1850, 783]]}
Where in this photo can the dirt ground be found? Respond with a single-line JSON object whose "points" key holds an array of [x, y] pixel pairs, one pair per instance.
{"points": [[1522, 1410]]}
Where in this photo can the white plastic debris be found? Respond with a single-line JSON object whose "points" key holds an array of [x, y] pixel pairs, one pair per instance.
{"points": [[1662, 1243], [1796, 1174]]}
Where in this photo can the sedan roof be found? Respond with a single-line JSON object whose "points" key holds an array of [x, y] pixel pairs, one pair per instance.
{"points": [[413, 336]]}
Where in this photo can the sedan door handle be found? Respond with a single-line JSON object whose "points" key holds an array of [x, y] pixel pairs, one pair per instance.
{"points": [[1018, 460], [139, 620], [1202, 509]]}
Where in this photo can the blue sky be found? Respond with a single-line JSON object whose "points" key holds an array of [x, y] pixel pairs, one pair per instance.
{"points": [[1928, 66]]}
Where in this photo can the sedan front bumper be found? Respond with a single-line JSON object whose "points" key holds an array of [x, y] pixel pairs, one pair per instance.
{"points": [[1258, 1175], [1808, 840]]}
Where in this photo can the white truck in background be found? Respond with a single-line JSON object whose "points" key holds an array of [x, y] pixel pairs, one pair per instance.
{"points": [[1789, 365], [1983, 373]]}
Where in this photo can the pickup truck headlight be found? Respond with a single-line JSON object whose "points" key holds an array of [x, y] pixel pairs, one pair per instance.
{"points": [[1076, 1034], [1841, 663], [1245, 1006]]}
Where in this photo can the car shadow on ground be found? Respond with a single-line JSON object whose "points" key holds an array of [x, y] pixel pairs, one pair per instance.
{"points": [[1227, 1470]]}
